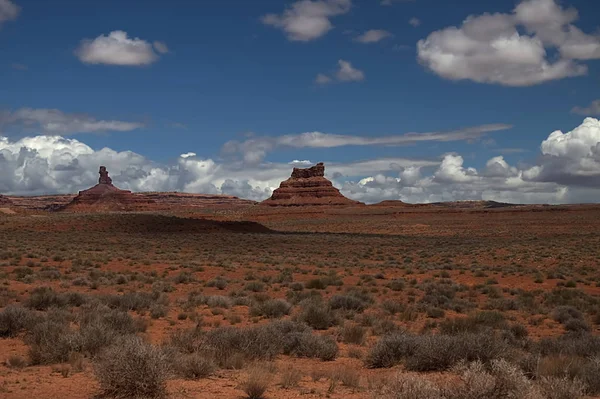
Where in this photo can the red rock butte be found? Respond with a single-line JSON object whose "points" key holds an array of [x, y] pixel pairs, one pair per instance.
{"points": [[103, 196], [308, 187]]}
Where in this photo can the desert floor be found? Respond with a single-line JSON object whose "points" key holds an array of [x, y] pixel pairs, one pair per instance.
{"points": [[529, 278]]}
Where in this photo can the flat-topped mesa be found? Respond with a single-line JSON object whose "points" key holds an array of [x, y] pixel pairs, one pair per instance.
{"points": [[308, 187], [314, 171]]}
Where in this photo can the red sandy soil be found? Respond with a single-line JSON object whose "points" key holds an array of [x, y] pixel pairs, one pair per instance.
{"points": [[232, 238]]}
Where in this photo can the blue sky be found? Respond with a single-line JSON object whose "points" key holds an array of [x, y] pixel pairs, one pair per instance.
{"points": [[247, 70]]}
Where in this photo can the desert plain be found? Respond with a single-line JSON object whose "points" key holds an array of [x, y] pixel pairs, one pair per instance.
{"points": [[229, 299]]}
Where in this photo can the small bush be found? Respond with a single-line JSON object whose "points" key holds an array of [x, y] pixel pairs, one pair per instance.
{"points": [[255, 286], [13, 319], [272, 309], [562, 388], [132, 369], [218, 301], [348, 302], [194, 366], [563, 314], [351, 333], [157, 311], [43, 298], [256, 384], [51, 342], [390, 350], [16, 362], [290, 377], [306, 344], [317, 315]]}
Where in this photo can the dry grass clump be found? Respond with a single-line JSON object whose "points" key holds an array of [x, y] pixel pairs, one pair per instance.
{"points": [[257, 382], [194, 366], [132, 368], [290, 377], [272, 308]]}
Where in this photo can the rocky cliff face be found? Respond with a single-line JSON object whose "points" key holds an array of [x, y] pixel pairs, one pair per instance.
{"points": [[307, 187]]}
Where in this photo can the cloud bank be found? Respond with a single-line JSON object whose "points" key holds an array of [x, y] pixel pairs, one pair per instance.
{"points": [[567, 170]]}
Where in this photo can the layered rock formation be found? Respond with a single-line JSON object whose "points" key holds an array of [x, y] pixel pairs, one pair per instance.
{"points": [[104, 196], [307, 187], [4, 201]]}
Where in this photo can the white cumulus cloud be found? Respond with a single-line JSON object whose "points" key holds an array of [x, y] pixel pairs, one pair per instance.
{"points": [[307, 20], [511, 49], [119, 49], [8, 11], [373, 36]]}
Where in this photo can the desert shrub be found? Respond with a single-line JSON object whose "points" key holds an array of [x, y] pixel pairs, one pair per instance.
{"points": [[306, 344], [111, 319], [316, 284], [393, 307], [434, 352], [290, 377], [348, 376], [351, 333], [498, 381], [186, 341], [317, 315], [396, 285], [184, 278], [16, 362], [260, 342], [217, 282], [577, 326], [435, 313], [519, 331], [582, 345], [51, 342], [255, 286], [562, 314], [132, 368], [14, 319], [194, 366], [473, 323], [440, 352], [157, 311], [272, 309], [256, 383], [297, 286], [43, 298], [348, 302], [75, 299], [132, 301], [562, 388], [218, 301], [384, 327], [582, 369], [390, 350]]}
